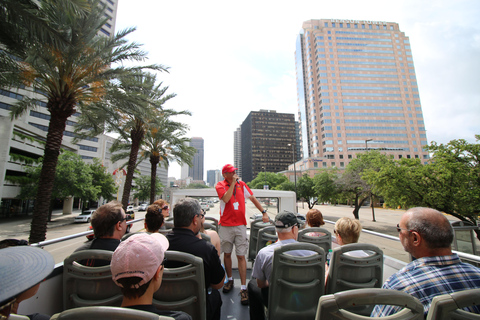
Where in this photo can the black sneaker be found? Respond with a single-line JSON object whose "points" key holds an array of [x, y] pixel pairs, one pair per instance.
{"points": [[227, 287]]}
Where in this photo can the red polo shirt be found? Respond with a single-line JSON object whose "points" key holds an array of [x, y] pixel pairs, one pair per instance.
{"points": [[229, 217]]}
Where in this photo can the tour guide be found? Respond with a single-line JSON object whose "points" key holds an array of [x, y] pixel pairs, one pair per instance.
{"points": [[233, 225]]}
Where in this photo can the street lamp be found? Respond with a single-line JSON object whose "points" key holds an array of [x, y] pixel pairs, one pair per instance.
{"points": [[366, 148], [294, 172]]}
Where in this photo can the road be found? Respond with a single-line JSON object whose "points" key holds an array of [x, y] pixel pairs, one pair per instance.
{"points": [[386, 221]]}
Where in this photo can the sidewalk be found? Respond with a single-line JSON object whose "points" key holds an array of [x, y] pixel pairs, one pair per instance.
{"points": [[17, 227]]}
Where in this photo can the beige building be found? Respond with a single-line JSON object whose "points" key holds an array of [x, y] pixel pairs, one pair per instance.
{"points": [[357, 90]]}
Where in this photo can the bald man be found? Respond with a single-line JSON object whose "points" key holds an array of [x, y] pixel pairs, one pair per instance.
{"points": [[427, 235]]}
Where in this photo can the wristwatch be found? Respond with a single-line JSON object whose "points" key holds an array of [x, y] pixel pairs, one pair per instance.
{"points": [[264, 211]]}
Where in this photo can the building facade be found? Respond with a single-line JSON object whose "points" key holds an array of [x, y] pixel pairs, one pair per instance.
{"points": [[357, 90], [196, 170], [267, 138], [237, 151]]}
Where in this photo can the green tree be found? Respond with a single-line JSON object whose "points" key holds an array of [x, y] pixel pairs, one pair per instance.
{"points": [[306, 190], [142, 188], [286, 186], [272, 179], [72, 69], [136, 104], [325, 185], [353, 185], [163, 143], [196, 186], [449, 182], [104, 180]]}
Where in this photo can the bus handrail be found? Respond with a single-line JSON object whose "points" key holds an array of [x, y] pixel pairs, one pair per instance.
{"points": [[73, 236]]}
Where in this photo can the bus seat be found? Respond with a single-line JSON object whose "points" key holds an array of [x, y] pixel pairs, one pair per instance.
{"points": [[183, 286], [296, 282], [347, 271], [211, 223], [107, 313], [266, 236], [450, 306], [255, 227], [335, 306], [89, 286], [206, 237], [324, 241]]}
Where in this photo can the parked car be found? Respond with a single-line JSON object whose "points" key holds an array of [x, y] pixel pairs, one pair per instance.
{"points": [[130, 213], [85, 216], [205, 206], [210, 203], [142, 207]]}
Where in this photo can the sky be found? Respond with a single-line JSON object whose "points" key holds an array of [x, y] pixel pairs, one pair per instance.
{"points": [[228, 58]]}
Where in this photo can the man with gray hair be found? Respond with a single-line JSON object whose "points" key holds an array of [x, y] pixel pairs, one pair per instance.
{"points": [[286, 225], [187, 220], [427, 235]]}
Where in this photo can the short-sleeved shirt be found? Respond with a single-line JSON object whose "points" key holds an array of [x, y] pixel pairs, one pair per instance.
{"points": [[262, 267], [184, 240], [229, 217], [428, 277]]}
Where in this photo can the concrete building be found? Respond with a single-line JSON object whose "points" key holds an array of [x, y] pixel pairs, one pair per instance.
{"points": [[213, 177], [267, 139], [357, 91], [237, 151], [196, 170]]}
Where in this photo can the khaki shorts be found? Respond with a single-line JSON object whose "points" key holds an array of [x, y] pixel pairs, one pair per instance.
{"points": [[237, 236]]}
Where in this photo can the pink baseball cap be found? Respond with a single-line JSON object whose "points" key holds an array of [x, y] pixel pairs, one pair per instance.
{"points": [[228, 168], [139, 256]]}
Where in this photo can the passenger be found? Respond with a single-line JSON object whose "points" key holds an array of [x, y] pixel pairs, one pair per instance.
{"points": [[233, 225], [154, 218], [109, 225], [315, 220], [427, 235], [286, 225], [137, 268], [21, 271], [187, 217], [347, 231], [214, 238], [165, 210]]}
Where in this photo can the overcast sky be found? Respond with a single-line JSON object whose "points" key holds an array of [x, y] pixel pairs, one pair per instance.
{"points": [[228, 58]]}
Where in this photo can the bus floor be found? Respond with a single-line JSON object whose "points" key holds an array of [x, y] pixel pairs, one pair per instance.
{"points": [[232, 309]]}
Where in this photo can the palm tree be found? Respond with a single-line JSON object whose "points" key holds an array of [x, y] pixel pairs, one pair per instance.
{"points": [[138, 104], [73, 69], [165, 143]]}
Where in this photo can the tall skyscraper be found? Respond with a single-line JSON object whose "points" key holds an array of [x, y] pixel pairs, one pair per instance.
{"points": [[267, 139], [196, 170], [357, 91], [237, 151]]}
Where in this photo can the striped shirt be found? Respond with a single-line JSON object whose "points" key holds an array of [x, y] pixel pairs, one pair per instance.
{"points": [[428, 277]]}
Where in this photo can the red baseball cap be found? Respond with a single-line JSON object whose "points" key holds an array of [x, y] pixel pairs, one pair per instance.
{"points": [[228, 168]]}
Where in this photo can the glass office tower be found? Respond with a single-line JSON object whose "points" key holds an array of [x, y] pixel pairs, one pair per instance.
{"points": [[357, 91]]}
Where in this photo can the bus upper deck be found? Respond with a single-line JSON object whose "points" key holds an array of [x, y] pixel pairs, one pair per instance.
{"points": [[48, 300]]}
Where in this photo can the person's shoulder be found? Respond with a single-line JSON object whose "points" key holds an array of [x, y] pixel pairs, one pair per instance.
{"points": [[84, 246]]}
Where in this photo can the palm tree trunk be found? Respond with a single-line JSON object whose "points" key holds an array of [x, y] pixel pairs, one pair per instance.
{"points": [[154, 160], [136, 136], [38, 229]]}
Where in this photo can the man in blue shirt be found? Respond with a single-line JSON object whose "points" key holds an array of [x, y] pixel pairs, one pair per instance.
{"points": [[427, 235]]}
